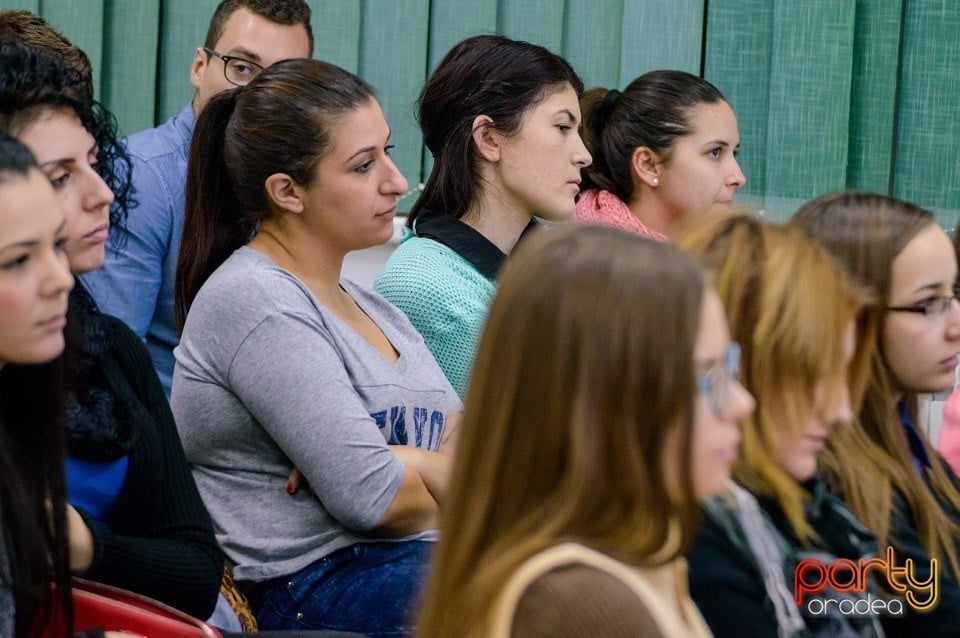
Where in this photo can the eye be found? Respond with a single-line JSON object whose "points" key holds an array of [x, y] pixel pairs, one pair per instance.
{"points": [[715, 153], [926, 305], [365, 167], [59, 243], [59, 180], [564, 128], [16, 263], [387, 149]]}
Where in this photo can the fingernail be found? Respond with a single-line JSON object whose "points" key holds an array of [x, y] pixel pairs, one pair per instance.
{"points": [[289, 487]]}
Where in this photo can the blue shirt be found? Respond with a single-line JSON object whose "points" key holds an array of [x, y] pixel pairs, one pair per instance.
{"points": [[136, 281], [93, 486]]}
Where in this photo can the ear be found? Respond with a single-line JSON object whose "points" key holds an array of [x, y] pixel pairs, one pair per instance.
{"points": [[284, 193], [197, 67], [646, 166], [486, 139]]}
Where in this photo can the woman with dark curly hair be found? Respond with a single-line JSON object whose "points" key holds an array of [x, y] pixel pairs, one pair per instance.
{"points": [[135, 518]]}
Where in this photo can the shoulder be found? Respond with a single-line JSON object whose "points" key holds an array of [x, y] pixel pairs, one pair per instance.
{"points": [[578, 600], [427, 270], [171, 139]]}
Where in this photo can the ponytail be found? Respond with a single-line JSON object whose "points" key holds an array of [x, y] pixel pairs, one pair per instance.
{"points": [[597, 106], [213, 225]]}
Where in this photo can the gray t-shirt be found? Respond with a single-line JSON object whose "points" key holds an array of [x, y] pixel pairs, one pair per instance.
{"points": [[267, 379]]}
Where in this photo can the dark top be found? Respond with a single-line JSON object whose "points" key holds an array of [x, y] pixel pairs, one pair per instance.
{"points": [[157, 540]]}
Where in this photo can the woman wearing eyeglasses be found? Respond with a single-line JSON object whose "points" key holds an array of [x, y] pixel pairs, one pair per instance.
{"points": [[793, 311], [583, 456], [896, 482]]}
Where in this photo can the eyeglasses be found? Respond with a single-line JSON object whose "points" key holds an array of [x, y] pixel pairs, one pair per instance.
{"points": [[716, 381], [930, 307], [238, 71]]}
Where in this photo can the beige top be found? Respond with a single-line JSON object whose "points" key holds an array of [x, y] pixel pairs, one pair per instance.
{"points": [[661, 590]]}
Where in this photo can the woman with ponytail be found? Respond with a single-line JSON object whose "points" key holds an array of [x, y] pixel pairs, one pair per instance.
{"points": [[663, 150], [501, 119], [284, 367]]}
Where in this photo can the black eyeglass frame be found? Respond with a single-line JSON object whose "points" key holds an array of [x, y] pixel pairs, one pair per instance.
{"points": [[226, 63]]}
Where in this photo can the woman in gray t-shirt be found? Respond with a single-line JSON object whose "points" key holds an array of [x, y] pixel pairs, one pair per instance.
{"points": [[283, 365]]}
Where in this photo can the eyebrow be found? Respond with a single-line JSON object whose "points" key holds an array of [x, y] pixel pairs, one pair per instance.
{"points": [[570, 115], [241, 52], [30, 243], [69, 160], [366, 149]]}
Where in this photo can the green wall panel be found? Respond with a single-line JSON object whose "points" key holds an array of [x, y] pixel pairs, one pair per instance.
{"points": [[595, 51], [810, 83], [928, 129], [874, 94], [537, 21], [129, 71], [660, 34], [183, 29], [336, 32]]}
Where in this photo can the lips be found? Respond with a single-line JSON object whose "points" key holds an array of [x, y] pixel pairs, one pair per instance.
{"points": [[56, 322], [100, 233], [950, 362]]}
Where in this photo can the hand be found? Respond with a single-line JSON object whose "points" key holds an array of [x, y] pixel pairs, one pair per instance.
{"points": [[293, 481], [80, 541], [451, 433]]}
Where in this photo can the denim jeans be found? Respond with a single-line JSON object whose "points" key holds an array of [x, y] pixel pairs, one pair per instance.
{"points": [[368, 588]]}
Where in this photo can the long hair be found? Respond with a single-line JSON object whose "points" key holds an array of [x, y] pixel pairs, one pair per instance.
{"points": [[279, 123], [867, 232], [32, 493], [789, 303], [35, 78], [584, 368], [483, 75], [653, 111]]}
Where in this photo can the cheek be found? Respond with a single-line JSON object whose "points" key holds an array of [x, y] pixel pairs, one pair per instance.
{"points": [[14, 312]]}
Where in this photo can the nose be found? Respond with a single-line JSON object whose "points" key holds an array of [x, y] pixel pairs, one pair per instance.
{"points": [[737, 178], [56, 279], [394, 182], [843, 414], [96, 194], [742, 403], [581, 156], [953, 320]]}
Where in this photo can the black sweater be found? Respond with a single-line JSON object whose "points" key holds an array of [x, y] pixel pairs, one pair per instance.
{"points": [[158, 540]]}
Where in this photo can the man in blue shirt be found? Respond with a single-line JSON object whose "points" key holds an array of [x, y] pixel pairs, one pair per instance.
{"points": [[136, 282]]}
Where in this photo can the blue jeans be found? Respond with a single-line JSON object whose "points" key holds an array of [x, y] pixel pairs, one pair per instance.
{"points": [[368, 588]]}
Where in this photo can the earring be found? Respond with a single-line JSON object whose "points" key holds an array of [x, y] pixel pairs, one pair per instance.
{"points": [[656, 181]]}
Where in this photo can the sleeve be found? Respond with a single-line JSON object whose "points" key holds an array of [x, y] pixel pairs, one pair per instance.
{"points": [[449, 319], [128, 285], [942, 619], [161, 547], [290, 375], [577, 601], [949, 439], [728, 592]]}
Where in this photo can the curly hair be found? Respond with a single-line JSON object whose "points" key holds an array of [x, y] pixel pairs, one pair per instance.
{"points": [[34, 80]]}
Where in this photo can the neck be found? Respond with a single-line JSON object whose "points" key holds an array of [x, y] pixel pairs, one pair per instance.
{"points": [[295, 249], [648, 210], [496, 220]]}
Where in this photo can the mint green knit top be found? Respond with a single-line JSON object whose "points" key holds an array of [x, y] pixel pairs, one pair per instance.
{"points": [[445, 297]]}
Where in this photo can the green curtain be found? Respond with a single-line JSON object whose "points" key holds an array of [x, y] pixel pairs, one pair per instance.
{"points": [[829, 94]]}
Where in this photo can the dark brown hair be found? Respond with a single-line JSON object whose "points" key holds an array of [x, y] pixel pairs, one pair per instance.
{"points": [[653, 111], [484, 75], [279, 123], [286, 12]]}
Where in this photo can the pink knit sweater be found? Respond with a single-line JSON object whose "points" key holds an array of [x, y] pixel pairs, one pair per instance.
{"points": [[604, 208]]}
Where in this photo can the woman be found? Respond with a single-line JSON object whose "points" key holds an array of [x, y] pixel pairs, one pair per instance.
{"points": [[309, 371], [136, 519], [501, 119], [34, 284], [583, 454], [904, 492], [663, 150], [793, 310]]}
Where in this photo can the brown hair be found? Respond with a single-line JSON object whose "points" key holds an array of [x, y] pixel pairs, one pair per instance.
{"points": [[653, 111], [789, 303], [280, 122], [866, 232], [584, 368], [286, 12], [32, 30]]}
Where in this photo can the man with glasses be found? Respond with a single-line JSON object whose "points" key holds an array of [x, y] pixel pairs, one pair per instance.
{"points": [[136, 282]]}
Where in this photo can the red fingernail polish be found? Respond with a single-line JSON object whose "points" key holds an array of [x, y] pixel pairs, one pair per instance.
{"points": [[289, 487]]}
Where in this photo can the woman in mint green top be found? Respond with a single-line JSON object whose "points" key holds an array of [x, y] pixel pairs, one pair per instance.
{"points": [[501, 119]]}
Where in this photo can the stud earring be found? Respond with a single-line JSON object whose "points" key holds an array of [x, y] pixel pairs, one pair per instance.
{"points": [[656, 181]]}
